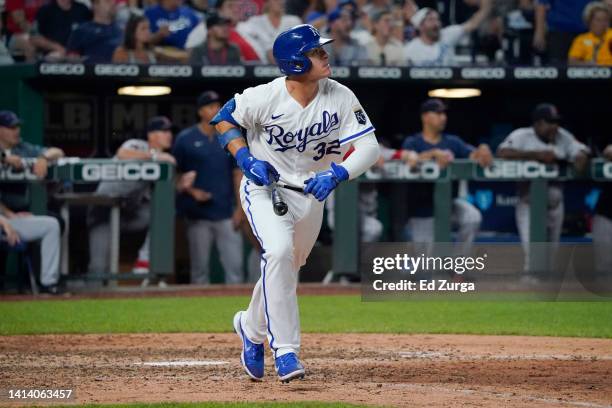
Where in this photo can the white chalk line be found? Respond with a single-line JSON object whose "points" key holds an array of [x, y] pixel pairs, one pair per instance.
{"points": [[182, 363]]}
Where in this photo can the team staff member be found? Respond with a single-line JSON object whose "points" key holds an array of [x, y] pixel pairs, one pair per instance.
{"points": [[299, 127], [207, 205], [433, 144], [545, 141], [136, 209]]}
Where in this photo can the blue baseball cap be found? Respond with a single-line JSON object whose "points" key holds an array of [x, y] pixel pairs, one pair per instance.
{"points": [[433, 105], [9, 119]]}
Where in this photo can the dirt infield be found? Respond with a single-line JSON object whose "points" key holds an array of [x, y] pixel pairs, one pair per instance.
{"points": [[377, 369]]}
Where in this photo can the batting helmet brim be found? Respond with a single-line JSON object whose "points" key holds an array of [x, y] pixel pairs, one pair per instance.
{"points": [[322, 41]]}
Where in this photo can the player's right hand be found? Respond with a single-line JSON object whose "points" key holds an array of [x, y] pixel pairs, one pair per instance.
{"points": [[260, 172]]}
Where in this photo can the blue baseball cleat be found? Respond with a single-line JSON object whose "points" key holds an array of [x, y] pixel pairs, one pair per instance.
{"points": [[288, 367], [252, 356]]}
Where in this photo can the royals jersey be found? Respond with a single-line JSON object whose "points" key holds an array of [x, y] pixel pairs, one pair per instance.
{"points": [[299, 140]]}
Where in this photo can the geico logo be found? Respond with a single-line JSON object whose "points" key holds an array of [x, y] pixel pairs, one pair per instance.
{"points": [[118, 70], [372, 72], [119, 172], [433, 73], [266, 71], [483, 73], [607, 170], [528, 169], [170, 70], [62, 69], [536, 73], [589, 72], [223, 71], [341, 72], [10, 174], [399, 170]]}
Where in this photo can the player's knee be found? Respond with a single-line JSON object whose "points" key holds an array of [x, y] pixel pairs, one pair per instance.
{"points": [[280, 250]]}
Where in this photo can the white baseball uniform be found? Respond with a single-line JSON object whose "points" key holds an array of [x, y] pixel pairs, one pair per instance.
{"points": [[297, 141]]}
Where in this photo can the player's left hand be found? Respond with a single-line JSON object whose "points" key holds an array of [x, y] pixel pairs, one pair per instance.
{"points": [[323, 183]]}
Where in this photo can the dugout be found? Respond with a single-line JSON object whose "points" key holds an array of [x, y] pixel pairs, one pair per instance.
{"points": [[76, 106]]}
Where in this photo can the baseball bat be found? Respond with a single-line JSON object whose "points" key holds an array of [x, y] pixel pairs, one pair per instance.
{"points": [[279, 206]]}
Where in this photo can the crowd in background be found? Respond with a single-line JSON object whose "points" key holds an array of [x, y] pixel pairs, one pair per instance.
{"points": [[366, 32]]}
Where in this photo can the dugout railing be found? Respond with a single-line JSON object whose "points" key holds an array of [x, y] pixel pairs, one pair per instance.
{"points": [[347, 225], [71, 171]]}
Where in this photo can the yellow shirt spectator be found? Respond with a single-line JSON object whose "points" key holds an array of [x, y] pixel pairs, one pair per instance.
{"points": [[588, 48]]}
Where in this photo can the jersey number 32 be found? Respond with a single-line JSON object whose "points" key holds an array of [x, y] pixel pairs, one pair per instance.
{"points": [[324, 148]]}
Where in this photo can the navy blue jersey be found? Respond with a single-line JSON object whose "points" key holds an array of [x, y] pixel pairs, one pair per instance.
{"points": [[420, 200], [460, 149], [96, 42], [194, 150], [180, 21]]}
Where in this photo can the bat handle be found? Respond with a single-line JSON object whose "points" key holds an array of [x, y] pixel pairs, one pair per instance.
{"points": [[280, 207]]}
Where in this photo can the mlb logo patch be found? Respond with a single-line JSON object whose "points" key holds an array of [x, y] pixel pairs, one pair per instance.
{"points": [[359, 115]]}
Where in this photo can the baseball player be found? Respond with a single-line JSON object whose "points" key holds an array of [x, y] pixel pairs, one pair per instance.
{"points": [[545, 141], [298, 128]]}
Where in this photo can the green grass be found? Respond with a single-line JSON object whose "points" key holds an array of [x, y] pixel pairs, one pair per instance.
{"points": [[325, 314]]}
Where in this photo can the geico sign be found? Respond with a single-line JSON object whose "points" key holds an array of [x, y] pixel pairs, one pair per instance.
{"points": [[606, 170], [116, 70], [62, 69], [589, 73], [374, 72], [483, 73], [399, 170], [223, 71], [170, 70], [121, 172], [10, 174], [536, 73], [430, 73], [266, 72], [527, 169]]}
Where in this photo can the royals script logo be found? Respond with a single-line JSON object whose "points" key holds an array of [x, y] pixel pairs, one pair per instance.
{"points": [[299, 139]]}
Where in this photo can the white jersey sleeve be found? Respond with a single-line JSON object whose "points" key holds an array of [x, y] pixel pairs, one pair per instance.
{"points": [[570, 146], [248, 107], [517, 140], [452, 34], [354, 120]]}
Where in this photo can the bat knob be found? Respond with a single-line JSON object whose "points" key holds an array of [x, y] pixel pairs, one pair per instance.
{"points": [[280, 208]]}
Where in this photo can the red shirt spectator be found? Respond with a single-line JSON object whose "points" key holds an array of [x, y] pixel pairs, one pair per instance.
{"points": [[27, 7]]}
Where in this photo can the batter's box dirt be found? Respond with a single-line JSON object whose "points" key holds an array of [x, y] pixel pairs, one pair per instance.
{"points": [[377, 369]]}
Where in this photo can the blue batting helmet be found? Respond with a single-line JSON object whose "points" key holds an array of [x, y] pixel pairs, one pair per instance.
{"points": [[291, 45]]}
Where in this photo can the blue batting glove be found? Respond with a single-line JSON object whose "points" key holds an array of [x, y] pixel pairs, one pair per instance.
{"points": [[322, 184], [260, 172]]}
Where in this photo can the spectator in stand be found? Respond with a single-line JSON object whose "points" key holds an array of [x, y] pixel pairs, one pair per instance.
{"points": [[261, 31], [344, 50], [96, 41], [432, 143], [171, 23], [383, 49], [19, 21], [557, 23], [594, 47], [136, 48], [54, 24], [230, 10], [5, 55], [436, 45], [216, 50], [548, 143]]}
